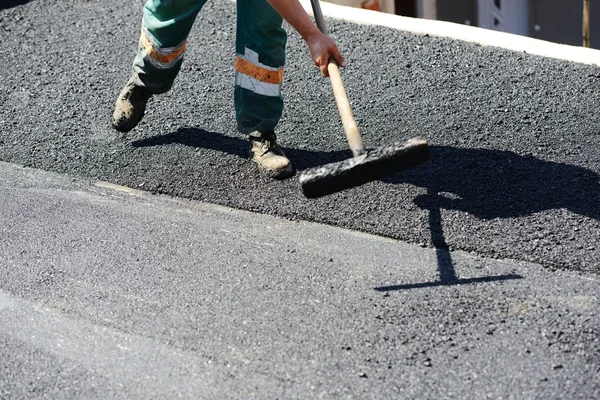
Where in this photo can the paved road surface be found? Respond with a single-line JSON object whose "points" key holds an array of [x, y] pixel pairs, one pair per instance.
{"points": [[109, 295], [515, 143], [105, 294]]}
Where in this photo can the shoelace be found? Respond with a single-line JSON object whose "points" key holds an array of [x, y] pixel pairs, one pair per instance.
{"points": [[266, 147]]}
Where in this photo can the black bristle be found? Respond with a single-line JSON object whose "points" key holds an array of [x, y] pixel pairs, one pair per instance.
{"points": [[371, 165]]}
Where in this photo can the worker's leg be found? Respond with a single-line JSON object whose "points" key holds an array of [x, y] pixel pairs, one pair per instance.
{"points": [[260, 48], [165, 27]]}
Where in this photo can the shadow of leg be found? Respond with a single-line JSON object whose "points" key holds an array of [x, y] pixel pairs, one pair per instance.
{"points": [[12, 3], [445, 264], [238, 146]]}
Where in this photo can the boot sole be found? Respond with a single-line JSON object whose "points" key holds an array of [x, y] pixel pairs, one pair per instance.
{"points": [[123, 125]]}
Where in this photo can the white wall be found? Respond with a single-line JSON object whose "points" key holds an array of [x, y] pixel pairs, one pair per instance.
{"points": [[386, 5]]}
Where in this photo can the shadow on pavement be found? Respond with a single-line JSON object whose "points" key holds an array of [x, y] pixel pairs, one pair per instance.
{"points": [[485, 183], [501, 184], [12, 3], [445, 264], [238, 146], [421, 285], [493, 184]]}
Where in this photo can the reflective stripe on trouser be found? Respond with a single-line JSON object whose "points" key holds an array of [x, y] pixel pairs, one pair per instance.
{"points": [[260, 48], [166, 25]]}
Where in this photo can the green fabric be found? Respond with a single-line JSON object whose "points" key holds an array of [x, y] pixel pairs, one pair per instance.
{"points": [[169, 22], [259, 28]]}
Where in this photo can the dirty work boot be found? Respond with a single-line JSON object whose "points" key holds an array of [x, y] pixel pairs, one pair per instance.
{"points": [[130, 106], [268, 155]]}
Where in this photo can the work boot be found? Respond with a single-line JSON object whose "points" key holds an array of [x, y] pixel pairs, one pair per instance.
{"points": [[268, 155], [130, 106]]}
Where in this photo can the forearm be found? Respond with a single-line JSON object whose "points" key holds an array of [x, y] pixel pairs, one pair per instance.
{"points": [[293, 12]]}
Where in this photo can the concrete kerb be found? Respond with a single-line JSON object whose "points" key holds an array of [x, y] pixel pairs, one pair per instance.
{"points": [[467, 33]]}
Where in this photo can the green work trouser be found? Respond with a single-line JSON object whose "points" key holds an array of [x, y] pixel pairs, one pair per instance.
{"points": [[260, 48]]}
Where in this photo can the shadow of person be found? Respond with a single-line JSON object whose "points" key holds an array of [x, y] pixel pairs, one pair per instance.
{"points": [[12, 3], [501, 184], [493, 184], [485, 183], [238, 146], [445, 263]]}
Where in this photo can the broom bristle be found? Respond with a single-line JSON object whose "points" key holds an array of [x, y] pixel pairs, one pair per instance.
{"points": [[369, 166]]}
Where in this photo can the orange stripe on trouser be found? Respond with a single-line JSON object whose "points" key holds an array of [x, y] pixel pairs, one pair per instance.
{"points": [[156, 55], [260, 74]]}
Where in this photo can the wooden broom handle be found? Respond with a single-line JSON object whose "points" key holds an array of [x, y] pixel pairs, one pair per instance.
{"points": [[341, 99]]}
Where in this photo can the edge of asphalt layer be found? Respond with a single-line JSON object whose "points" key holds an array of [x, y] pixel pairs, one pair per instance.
{"points": [[29, 177], [451, 30], [478, 126], [23, 177], [19, 177], [34, 178]]}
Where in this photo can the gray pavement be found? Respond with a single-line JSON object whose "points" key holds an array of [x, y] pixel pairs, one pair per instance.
{"points": [[106, 293], [515, 145]]}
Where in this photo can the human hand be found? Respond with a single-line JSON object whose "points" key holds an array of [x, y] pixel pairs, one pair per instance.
{"points": [[322, 48]]}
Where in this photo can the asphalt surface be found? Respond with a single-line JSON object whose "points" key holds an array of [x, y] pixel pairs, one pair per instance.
{"points": [[110, 294], [514, 138]]}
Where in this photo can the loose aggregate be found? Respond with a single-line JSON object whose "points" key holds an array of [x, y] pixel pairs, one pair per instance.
{"points": [[515, 149], [90, 310]]}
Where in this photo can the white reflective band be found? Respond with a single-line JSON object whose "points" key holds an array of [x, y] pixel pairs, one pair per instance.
{"points": [[160, 65], [162, 50], [162, 58], [256, 86], [252, 84]]}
